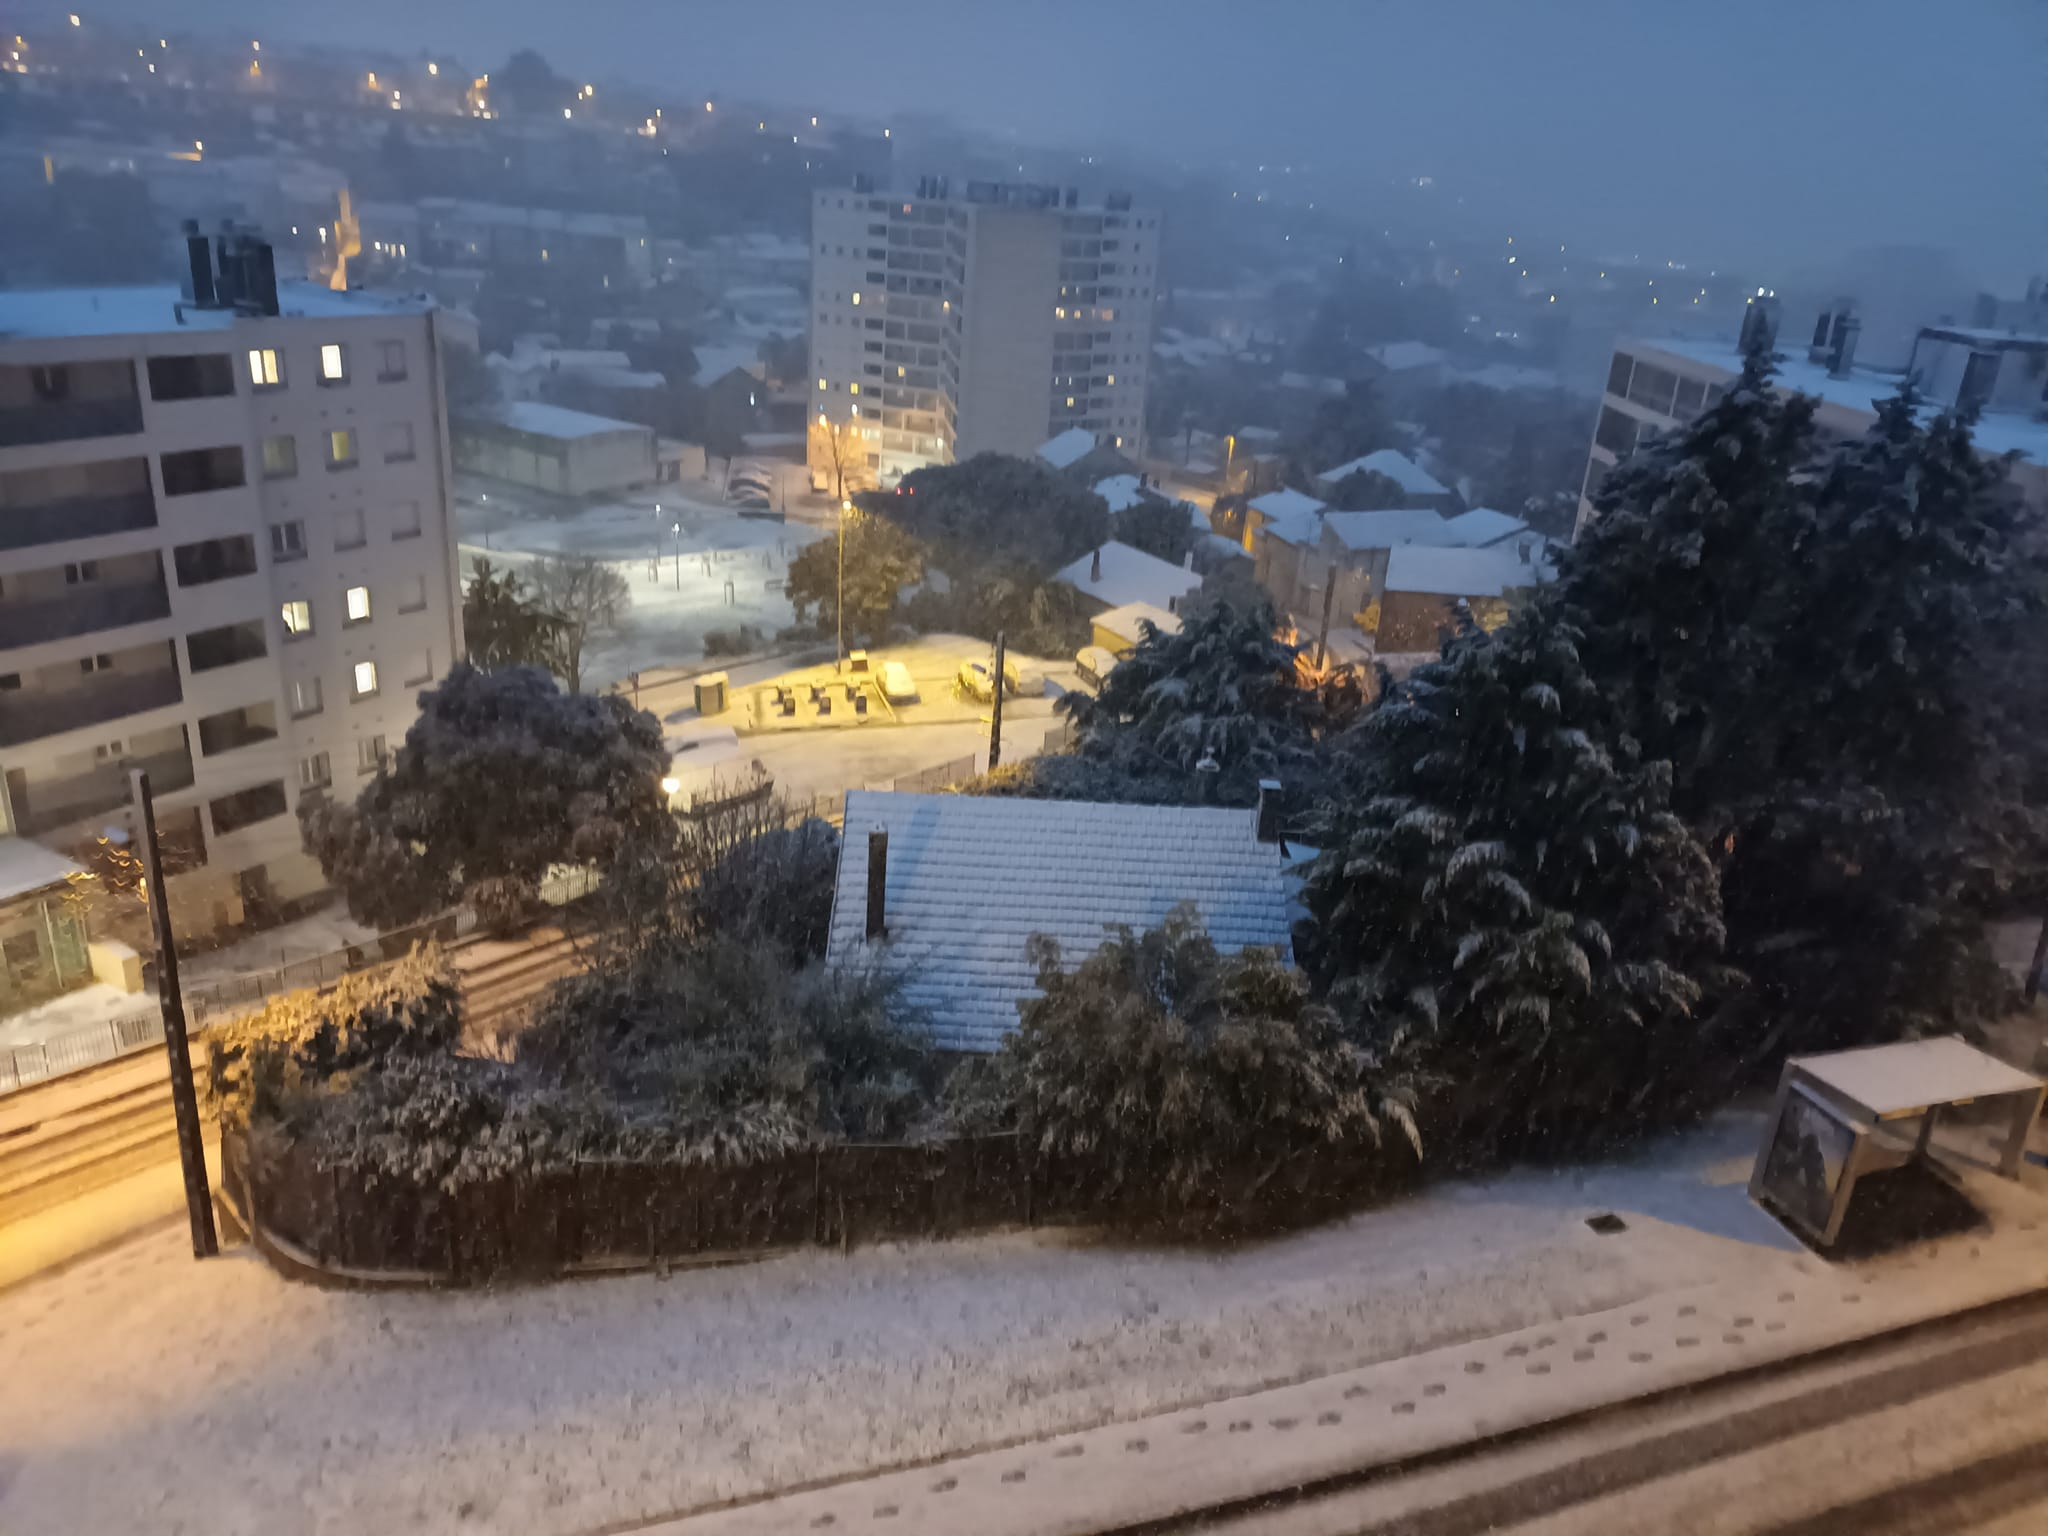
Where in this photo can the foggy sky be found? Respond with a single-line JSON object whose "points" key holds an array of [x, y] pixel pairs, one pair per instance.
{"points": [[1733, 130]]}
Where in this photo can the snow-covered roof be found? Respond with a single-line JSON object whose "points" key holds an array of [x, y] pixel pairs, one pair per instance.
{"points": [[1289, 515], [1258, 434], [971, 878], [1316, 383], [1395, 466], [27, 866], [1070, 447], [1389, 529], [152, 310], [1400, 356], [1453, 572], [1130, 576], [714, 363], [555, 420], [623, 378], [1125, 620], [1120, 491], [1482, 526]]}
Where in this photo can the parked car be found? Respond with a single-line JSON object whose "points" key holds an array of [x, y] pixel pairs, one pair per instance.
{"points": [[898, 686], [977, 679], [1093, 663]]}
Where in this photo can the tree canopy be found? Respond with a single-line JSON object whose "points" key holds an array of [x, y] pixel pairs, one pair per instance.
{"points": [[504, 622], [993, 511], [881, 560], [500, 776]]}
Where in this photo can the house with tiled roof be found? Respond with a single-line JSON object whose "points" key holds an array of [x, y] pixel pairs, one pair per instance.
{"points": [[944, 892]]}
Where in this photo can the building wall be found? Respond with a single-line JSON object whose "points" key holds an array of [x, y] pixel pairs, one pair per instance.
{"points": [[383, 524], [1006, 382], [561, 466]]}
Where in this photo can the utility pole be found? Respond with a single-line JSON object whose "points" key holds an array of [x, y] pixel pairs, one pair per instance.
{"points": [[184, 1102], [839, 660], [1329, 595], [995, 722]]}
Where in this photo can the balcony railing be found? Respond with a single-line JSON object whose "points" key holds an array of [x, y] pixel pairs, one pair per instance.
{"points": [[40, 808], [83, 610], [93, 701], [82, 517], [63, 421]]}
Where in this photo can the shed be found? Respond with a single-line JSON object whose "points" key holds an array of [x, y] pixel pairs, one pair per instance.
{"points": [[1120, 630], [551, 448]]}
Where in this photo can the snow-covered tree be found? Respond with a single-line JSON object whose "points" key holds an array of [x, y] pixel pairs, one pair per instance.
{"points": [[1806, 632], [501, 776], [1172, 1077], [1508, 902]]}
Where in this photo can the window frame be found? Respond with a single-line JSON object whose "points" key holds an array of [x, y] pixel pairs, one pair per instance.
{"points": [[285, 607], [291, 442], [298, 536], [406, 454], [339, 359], [319, 697], [316, 771], [355, 449], [387, 373], [266, 369], [357, 693], [350, 618]]}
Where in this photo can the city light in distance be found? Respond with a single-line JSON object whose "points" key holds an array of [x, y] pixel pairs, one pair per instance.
{"points": [[74, 18], [433, 68]]}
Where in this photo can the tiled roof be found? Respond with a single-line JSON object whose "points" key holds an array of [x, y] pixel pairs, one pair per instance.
{"points": [[970, 879]]}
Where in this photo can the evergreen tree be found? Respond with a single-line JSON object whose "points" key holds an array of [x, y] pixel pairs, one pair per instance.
{"points": [[1808, 638], [505, 623], [1508, 899]]}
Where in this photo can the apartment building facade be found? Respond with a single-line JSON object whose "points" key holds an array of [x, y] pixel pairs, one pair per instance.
{"points": [[1657, 386], [943, 326], [227, 555]]}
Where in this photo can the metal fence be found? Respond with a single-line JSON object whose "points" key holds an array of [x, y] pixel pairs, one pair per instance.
{"points": [[103, 1040]]}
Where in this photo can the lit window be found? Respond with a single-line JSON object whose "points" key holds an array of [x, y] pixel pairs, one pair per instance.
{"points": [[1112, 378], [298, 618], [333, 363], [365, 679], [359, 610], [265, 371], [853, 389], [341, 448], [856, 296]]}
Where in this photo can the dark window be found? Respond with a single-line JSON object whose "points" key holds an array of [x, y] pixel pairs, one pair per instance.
{"points": [[1653, 387], [206, 649], [247, 726], [1616, 432], [214, 560], [197, 376], [246, 807], [202, 469], [1617, 375], [1692, 398]]}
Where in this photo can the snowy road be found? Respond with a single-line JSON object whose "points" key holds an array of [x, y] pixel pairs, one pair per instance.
{"points": [[144, 1391]]}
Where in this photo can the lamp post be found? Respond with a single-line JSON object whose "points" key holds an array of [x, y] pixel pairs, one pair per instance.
{"points": [[845, 506], [678, 532]]}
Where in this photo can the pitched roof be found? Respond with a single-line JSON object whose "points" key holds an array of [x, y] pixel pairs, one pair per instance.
{"points": [[555, 420], [1400, 356], [1482, 526], [1395, 466], [1466, 572], [1288, 513], [27, 866], [1070, 447], [970, 879], [1386, 530], [1130, 576], [1124, 620], [1121, 492]]}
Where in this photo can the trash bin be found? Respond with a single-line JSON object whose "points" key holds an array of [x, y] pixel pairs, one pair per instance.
{"points": [[711, 690]]}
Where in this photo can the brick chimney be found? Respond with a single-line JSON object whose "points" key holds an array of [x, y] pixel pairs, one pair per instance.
{"points": [[878, 883]]}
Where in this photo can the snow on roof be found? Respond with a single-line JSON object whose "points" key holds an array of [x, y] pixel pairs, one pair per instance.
{"points": [[152, 310], [1389, 529], [714, 363], [1400, 356], [1120, 491], [1223, 548], [970, 880], [1070, 447], [1309, 381], [27, 866], [1258, 434], [1130, 576], [1286, 503], [1395, 466], [555, 420], [1508, 377], [1482, 526], [1127, 620], [1452, 572], [623, 378]]}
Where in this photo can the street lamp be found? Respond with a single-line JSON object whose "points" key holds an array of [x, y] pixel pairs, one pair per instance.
{"points": [[678, 532], [845, 506]]}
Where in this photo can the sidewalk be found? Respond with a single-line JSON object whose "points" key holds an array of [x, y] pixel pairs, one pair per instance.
{"points": [[1171, 1465]]}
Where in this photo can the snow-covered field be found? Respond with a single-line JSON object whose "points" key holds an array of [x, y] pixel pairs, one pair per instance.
{"points": [[142, 1391], [715, 573]]}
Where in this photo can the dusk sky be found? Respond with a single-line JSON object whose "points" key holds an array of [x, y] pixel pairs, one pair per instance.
{"points": [[1738, 130]]}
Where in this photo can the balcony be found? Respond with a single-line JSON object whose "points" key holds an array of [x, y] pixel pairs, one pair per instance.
{"points": [[84, 517], [247, 807], [82, 610], [27, 715], [232, 728], [43, 807], [64, 421], [226, 646]]}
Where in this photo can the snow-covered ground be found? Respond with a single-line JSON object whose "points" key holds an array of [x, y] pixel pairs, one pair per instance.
{"points": [[143, 1391], [693, 564]]}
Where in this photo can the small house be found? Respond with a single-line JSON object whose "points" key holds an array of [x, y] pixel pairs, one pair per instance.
{"points": [[1120, 630], [1426, 588], [1116, 575]]}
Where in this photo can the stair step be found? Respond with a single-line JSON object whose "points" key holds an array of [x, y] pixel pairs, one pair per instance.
{"points": [[107, 1166]]}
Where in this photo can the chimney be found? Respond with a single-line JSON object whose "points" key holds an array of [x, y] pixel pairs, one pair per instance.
{"points": [[226, 267], [197, 277], [1268, 828], [1842, 355], [1823, 328], [1095, 565], [878, 883]]}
